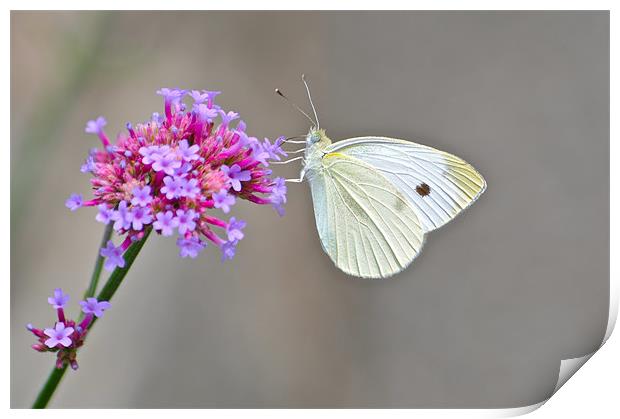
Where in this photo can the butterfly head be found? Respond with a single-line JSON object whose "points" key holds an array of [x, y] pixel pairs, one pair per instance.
{"points": [[317, 138]]}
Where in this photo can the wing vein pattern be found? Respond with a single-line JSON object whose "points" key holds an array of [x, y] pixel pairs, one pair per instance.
{"points": [[452, 183], [366, 225]]}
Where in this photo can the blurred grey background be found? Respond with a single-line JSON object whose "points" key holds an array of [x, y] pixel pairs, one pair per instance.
{"points": [[484, 316]]}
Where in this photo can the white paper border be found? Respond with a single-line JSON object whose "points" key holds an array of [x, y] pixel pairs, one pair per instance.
{"points": [[604, 378]]}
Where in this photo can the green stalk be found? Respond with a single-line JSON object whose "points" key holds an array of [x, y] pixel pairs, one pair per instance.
{"points": [[94, 279], [48, 389], [106, 294]]}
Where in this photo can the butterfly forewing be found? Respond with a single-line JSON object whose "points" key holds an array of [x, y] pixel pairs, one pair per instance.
{"points": [[366, 225], [439, 185]]}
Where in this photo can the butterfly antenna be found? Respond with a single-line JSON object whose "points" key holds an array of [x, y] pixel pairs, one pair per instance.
{"points": [[279, 92], [303, 78]]}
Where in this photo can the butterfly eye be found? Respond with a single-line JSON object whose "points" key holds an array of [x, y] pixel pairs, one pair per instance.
{"points": [[314, 137]]}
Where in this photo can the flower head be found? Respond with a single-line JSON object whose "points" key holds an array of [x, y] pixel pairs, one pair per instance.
{"points": [[66, 336], [172, 171]]}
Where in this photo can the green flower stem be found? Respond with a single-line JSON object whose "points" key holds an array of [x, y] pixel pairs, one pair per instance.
{"points": [[48, 389], [106, 294], [94, 279]]}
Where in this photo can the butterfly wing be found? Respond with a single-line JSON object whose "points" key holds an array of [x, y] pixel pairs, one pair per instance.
{"points": [[366, 226], [438, 184]]}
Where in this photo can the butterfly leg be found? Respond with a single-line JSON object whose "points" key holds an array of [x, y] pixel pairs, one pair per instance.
{"points": [[301, 177], [287, 161]]}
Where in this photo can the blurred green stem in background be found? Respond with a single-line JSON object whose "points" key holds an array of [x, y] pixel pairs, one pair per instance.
{"points": [[105, 294], [94, 279], [47, 120]]}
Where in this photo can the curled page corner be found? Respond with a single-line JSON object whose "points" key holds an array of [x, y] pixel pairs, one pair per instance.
{"points": [[569, 366]]}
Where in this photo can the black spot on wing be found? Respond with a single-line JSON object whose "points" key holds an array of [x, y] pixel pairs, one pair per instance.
{"points": [[423, 189]]}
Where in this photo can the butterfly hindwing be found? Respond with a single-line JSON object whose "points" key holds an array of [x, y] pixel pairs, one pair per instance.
{"points": [[439, 185], [367, 227]]}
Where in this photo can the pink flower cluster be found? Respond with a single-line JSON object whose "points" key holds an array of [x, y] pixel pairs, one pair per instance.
{"points": [[170, 172], [67, 335]]}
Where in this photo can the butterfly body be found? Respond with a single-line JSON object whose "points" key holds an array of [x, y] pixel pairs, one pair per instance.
{"points": [[317, 143], [375, 198]]}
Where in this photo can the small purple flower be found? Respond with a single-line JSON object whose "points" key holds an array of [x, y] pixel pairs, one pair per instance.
{"points": [[113, 255], [233, 230], [185, 220], [190, 188], [140, 217], [274, 150], [236, 175], [59, 299], [185, 167], [105, 214], [258, 151], [167, 163], [278, 195], [95, 126], [198, 97], [59, 335], [122, 217], [223, 200], [203, 112], [88, 166], [210, 96], [227, 118], [152, 153], [228, 250], [189, 247], [166, 223], [171, 95], [188, 153], [173, 187], [91, 305], [74, 202], [141, 196]]}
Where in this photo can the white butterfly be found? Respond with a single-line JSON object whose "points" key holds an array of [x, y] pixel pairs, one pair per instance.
{"points": [[375, 198]]}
